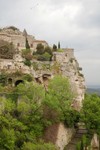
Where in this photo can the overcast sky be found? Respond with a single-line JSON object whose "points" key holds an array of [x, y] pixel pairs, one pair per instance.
{"points": [[75, 23]]}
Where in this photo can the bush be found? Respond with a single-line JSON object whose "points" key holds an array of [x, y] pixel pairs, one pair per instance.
{"points": [[38, 146], [27, 62], [3, 79], [26, 53], [44, 57], [58, 102], [13, 28], [7, 50], [48, 50], [40, 49], [28, 77], [90, 113], [60, 50], [54, 47]]}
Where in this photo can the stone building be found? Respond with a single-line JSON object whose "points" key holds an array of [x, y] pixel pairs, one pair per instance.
{"points": [[18, 38]]}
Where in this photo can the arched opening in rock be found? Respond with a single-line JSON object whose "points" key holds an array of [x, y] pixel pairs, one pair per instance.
{"points": [[18, 82], [9, 80]]}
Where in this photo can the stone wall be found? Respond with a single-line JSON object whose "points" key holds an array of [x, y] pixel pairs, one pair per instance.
{"points": [[59, 135], [19, 39], [5, 37], [64, 56], [64, 136]]}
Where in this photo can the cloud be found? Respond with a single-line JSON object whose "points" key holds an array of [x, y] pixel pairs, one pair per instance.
{"points": [[74, 23]]}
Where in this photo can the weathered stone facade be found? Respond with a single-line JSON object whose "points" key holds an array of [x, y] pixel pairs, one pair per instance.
{"points": [[18, 38]]}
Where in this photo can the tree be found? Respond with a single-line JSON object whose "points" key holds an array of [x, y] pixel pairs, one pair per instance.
{"points": [[7, 50], [54, 47], [58, 101], [27, 44], [48, 50], [38, 146], [91, 113], [58, 45], [40, 49]]}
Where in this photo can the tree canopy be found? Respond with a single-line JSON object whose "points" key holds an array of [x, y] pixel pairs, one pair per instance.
{"points": [[90, 113]]}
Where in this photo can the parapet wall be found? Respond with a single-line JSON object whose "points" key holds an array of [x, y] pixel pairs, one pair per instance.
{"points": [[64, 56]]}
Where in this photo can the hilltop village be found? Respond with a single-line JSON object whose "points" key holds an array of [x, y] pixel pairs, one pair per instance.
{"points": [[64, 61], [16, 60]]}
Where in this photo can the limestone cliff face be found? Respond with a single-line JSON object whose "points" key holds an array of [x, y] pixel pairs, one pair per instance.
{"points": [[70, 68], [62, 62]]}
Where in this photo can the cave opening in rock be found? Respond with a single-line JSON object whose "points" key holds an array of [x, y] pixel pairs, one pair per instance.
{"points": [[18, 82], [10, 81]]}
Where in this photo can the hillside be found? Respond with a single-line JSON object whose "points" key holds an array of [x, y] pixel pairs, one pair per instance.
{"points": [[93, 89]]}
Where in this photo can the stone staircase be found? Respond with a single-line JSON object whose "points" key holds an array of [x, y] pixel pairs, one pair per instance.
{"points": [[77, 138]]}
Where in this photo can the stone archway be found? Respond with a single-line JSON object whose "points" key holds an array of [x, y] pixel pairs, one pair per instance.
{"points": [[10, 80]]}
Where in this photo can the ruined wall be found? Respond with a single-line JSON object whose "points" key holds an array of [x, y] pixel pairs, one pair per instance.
{"points": [[5, 37], [19, 39], [64, 56], [59, 135]]}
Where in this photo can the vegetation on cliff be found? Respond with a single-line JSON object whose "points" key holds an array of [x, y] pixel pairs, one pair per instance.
{"points": [[27, 110], [7, 50], [90, 113], [43, 53]]}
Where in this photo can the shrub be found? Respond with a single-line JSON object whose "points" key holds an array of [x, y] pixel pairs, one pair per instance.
{"points": [[35, 66], [60, 50], [27, 62], [48, 50], [38, 146], [7, 50], [44, 57], [3, 78], [26, 53], [54, 47], [13, 28], [28, 77], [40, 49]]}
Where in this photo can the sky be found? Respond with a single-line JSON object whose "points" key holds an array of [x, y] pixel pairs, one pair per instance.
{"points": [[75, 23]]}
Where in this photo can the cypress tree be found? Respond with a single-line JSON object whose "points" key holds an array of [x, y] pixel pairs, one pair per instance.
{"points": [[27, 44], [58, 45]]}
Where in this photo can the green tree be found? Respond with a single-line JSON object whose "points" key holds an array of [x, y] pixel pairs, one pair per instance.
{"points": [[58, 101], [26, 53], [48, 50], [40, 48], [54, 47], [44, 57], [27, 62], [7, 50], [27, 44], [38, 146], [91, 113], [58, 45]]}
